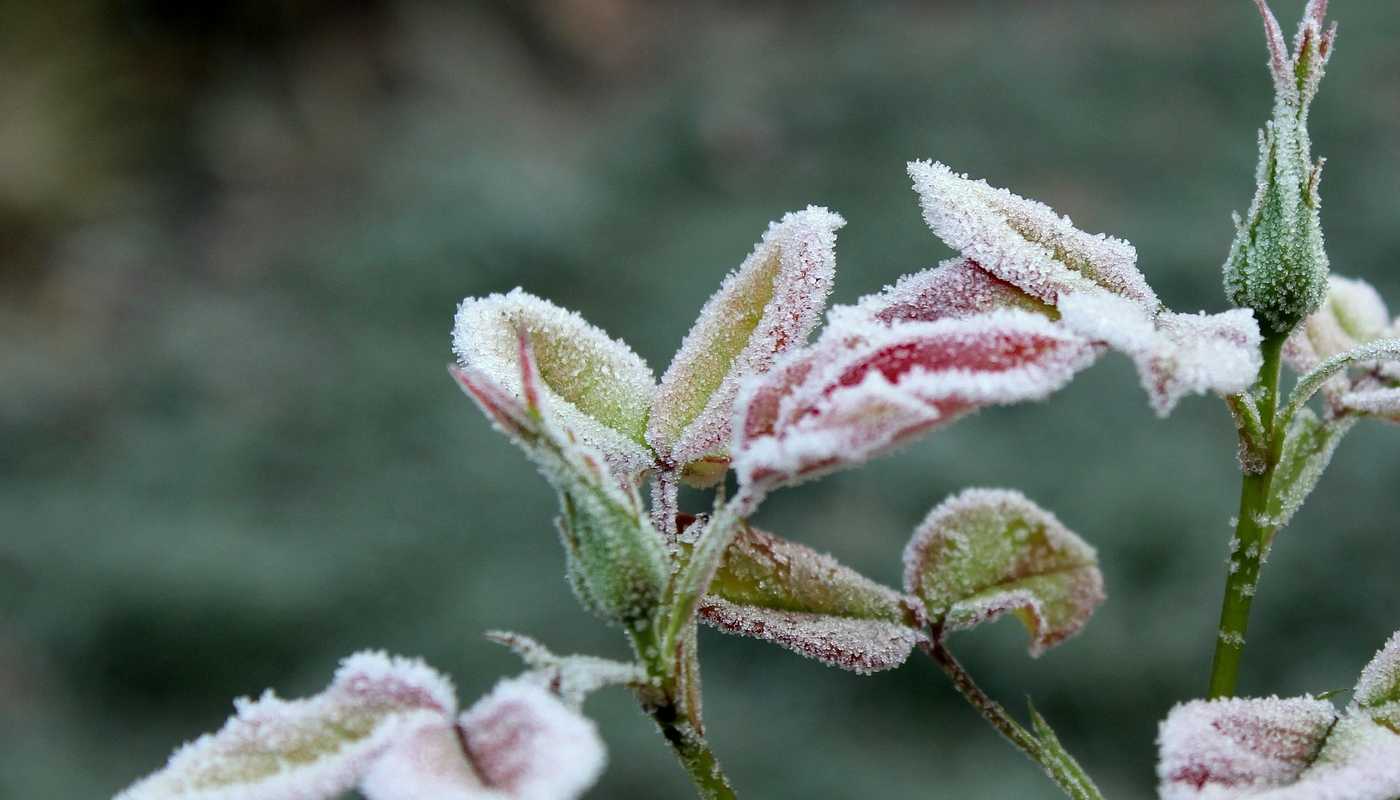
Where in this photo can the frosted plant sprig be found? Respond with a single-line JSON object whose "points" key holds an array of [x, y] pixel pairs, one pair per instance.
{"points": [[1029, 302]]}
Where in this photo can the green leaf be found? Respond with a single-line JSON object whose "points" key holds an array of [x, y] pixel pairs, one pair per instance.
{"points": [[986, 552], [791, 595], [767, 306], [594, 385], [1307, 449], [1378, 690], [316, 747]]}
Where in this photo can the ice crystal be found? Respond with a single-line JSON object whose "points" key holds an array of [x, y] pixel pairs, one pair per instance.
{"points": [[1277, 265], [790, 594], [857, 645], [593, 384], [767, 306], [985, 552], [1379, 402], [1024, 242], [1175, 354], [526, 745], [865, 387], [1236, 747]]}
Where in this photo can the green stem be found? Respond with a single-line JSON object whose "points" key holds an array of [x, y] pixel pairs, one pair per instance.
{"points": [[673, 706], [1058, 764], [1252, 531]]}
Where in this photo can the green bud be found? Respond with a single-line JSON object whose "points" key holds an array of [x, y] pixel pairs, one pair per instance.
{"points": [[1277, 265]]}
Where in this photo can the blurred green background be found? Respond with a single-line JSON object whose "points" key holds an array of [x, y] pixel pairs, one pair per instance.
{"points": [[231, 241]]}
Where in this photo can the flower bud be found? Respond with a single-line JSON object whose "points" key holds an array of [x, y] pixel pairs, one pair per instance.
{"points": [[1277, 265]]}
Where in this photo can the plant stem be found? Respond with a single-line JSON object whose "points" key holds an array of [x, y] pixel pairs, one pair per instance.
{"points": [[1250, 544], [1059, 765], [673, 703]]}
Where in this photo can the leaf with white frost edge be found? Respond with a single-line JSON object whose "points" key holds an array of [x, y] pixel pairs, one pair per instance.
{"points": [[985, 552], [1025, 242], [1293, 749], [593, 384], [767, 306], [808, 602], [865, 387], [1175, 354], [527, 745], [1352, 314], [958, 287], [1239, 747], [316, 747]]}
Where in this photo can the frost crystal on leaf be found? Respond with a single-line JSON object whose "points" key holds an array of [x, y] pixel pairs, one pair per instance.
{"points": [[1175, 354], [526, 745], [865, 387], [766, 307], [313, 748], [782, 592], [985, 552], [1024, 242], [593, 384], [1235, 748], [1352, 314]]}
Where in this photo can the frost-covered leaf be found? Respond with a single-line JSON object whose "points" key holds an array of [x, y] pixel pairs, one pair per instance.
{"points": [[1293, 749], [1239, 747], [866, 387], [1378, 690], [1277, 265], [957, 287], [1307, 450], [1175, 354], [767, 306], [985, 552], [1352, 314], [572, 678], [1025, 242], [857, 645], [527, 745], [789, 594], [313, 748], [1332, 375], [594, 385], [425, 762], [616, 559]]}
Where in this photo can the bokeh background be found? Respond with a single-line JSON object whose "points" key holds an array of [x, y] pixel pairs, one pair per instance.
{"points": [[231, 240]]}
